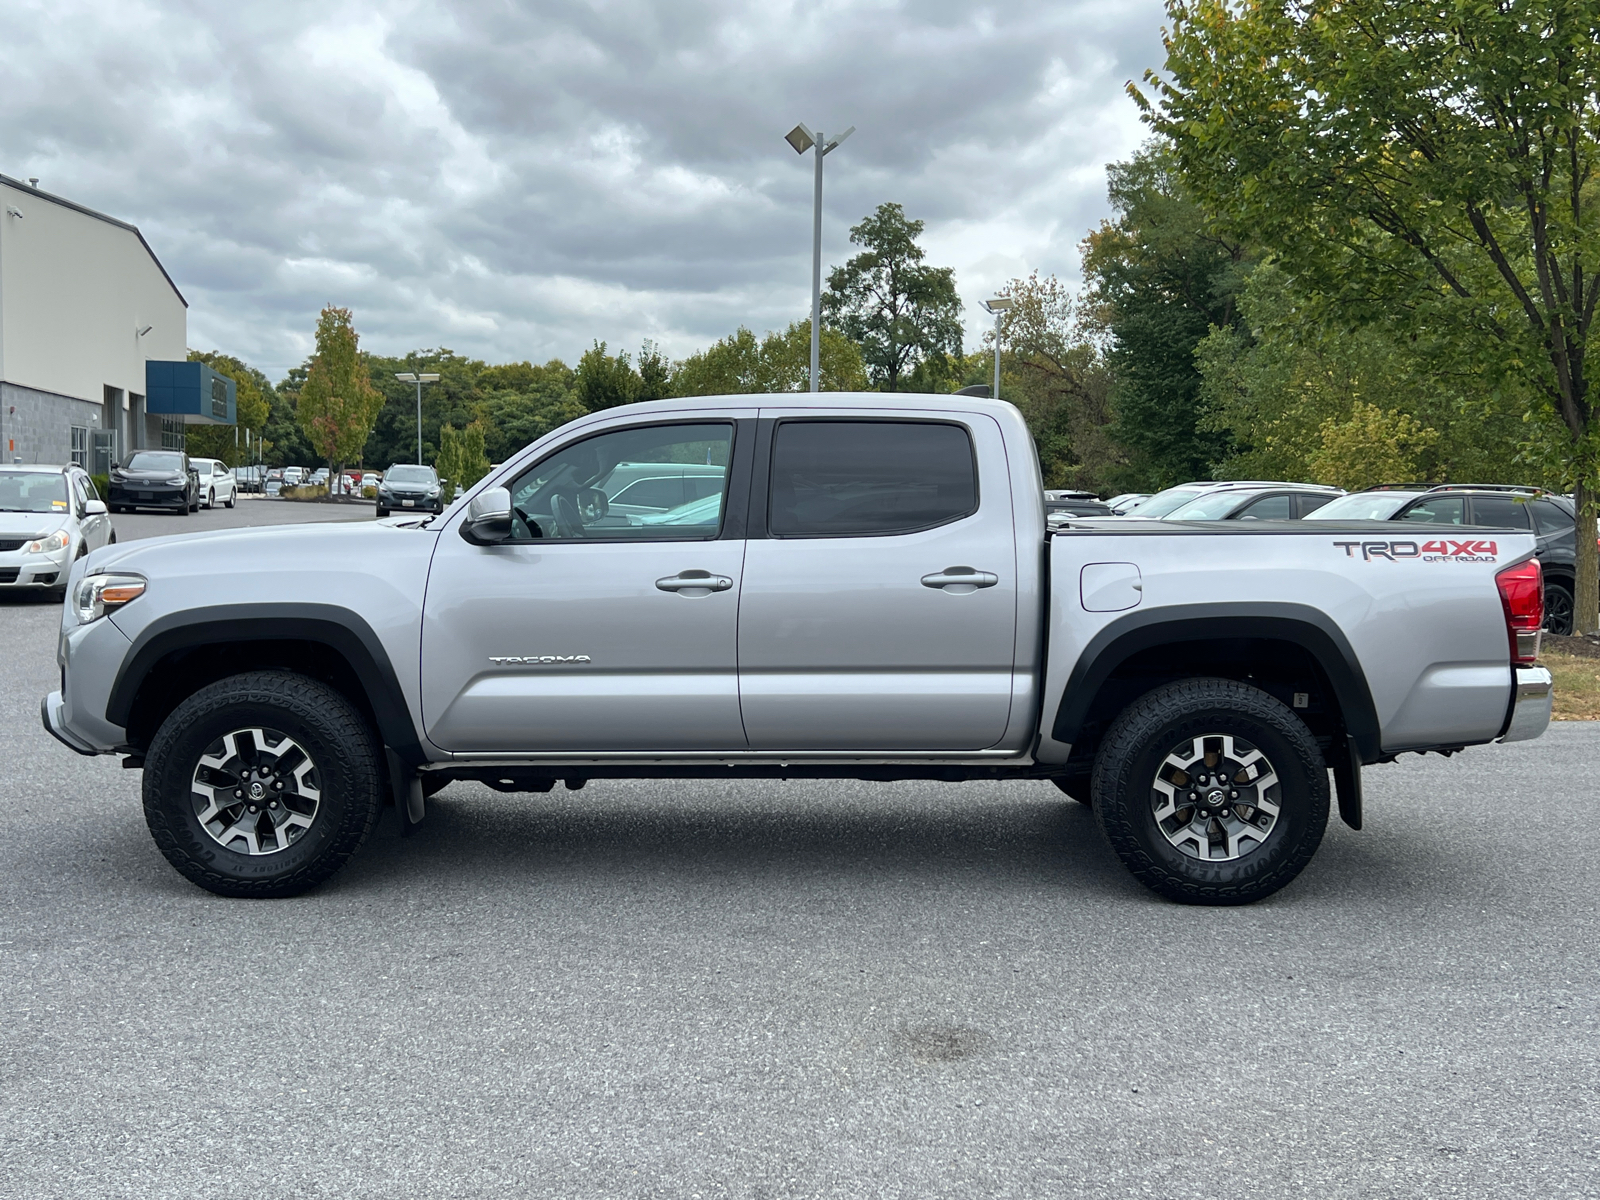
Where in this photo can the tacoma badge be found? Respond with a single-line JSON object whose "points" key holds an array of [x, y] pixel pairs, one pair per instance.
{"points": [[538, 660]]}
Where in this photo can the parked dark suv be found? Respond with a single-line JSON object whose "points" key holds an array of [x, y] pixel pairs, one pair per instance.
{"points": [[1550, 517], [154, 479]]}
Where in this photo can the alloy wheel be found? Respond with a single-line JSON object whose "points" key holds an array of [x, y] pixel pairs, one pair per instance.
{"points": [[255, 791], [1215, 797]]}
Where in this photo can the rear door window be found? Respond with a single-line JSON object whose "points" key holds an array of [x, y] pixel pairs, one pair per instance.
{"points": [[869, 478], [1445, 510], [1550, 519], [1310, 504], [1502, 512], [1269, 508]]}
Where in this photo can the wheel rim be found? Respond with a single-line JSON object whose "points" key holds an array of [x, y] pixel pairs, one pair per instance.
{"points": [[1558, 611], [256, 791], [1215, 797]]}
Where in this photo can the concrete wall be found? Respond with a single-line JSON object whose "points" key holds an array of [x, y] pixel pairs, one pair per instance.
{"points": [[74, 292], [40, 428]]}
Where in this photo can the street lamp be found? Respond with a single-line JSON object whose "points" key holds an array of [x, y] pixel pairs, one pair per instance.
{"points": [[419, 380], [997, 306], [802, 139]]}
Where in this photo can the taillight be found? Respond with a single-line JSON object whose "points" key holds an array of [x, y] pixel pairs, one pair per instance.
{"points": [[1522, 597]]}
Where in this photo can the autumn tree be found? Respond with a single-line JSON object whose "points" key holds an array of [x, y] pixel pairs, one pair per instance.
{"points": [[899, 311], [337, 403], [1430, 166]]}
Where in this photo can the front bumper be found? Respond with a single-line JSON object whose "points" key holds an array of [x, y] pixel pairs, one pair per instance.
{"points": [[133, 495], [50, 713], [32, 570], [1531, 703]]}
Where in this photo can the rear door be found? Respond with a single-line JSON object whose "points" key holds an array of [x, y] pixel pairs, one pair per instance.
{"points": [[879, 603]]}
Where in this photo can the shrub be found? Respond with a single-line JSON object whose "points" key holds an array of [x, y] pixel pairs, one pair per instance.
{"points": [[102, 485], [307, 492]]}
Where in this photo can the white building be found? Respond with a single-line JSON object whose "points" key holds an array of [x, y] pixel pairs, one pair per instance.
{"points": [[84, 305]]}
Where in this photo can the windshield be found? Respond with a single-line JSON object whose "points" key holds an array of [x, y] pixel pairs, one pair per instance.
{"points": [[1162, 503], [1363, 506], [33, 491], [1212, 507], [153, 460], [409, 475]]}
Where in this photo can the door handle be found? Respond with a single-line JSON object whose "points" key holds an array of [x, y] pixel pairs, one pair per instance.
{"points": [[694, 581], [960, 577]]}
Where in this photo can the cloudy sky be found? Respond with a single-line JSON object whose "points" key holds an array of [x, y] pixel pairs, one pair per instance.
{"points": [[515, 178]]}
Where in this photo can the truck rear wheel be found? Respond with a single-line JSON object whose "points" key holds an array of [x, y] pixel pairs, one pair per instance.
{"points": [[261, 784], [1211, 792]]}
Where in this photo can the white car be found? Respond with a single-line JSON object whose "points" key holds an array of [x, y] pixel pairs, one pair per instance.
{"points": [[216, 482], [49, 518]]}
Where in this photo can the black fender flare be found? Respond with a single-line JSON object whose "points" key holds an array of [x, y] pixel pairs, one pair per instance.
{"points": [[338, 628], [1304, 626]]}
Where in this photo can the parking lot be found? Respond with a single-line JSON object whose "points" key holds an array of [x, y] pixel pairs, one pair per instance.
{"points": [[680, 989]]}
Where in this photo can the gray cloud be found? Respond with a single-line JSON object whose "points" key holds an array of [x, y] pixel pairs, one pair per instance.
{"points": [[514, 179]]}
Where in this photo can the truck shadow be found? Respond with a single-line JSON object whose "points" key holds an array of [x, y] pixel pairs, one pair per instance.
{"points": [[1010, 835]]}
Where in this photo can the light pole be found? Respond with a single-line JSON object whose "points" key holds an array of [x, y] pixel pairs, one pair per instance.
{"points": [[997, 306], [802, 139], [419, 380]]}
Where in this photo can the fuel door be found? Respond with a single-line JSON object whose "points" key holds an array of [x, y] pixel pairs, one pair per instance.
{"points": [[1110, 587]]}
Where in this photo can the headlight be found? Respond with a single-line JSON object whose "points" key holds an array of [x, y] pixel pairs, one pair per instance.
{"points": [[59, 540], [96, 595], [177, 481]]}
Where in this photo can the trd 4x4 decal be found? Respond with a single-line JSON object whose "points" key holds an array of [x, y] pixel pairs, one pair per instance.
{"points": [[1438, 550]]}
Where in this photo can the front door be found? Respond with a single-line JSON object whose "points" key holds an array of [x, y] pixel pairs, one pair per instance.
{"points": [[588, 630], [879, 611]]}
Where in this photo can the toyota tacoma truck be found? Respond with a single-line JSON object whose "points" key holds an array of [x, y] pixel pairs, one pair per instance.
{"points": [[849, 586]]}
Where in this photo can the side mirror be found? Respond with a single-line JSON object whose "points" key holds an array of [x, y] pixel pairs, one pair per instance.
{"points": [[94, 508], [488, 519]]}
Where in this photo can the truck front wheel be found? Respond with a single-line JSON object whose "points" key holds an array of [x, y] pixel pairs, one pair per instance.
{"points": [[1211, 792], [261, 784]]}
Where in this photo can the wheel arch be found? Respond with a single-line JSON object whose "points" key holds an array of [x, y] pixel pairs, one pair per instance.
{"points": [[178, 654], [1271, 644]]}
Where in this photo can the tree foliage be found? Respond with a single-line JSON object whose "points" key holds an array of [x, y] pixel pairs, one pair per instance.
{"points": [[740, 365], [899, 311], [462, 460], [1053, 370], [1160, 277], [1421, 165], [337, 403]]}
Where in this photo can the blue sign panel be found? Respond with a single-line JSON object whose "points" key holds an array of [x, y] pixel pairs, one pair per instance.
{"points": [[190, 390]]}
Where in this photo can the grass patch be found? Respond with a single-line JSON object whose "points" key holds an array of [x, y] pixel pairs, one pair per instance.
{"points": [[1577, 685]]}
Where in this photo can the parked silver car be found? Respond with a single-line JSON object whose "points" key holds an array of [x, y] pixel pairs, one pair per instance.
{"points": [[50, 516]]}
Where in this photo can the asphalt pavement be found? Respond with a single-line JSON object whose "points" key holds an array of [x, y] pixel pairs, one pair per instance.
{"points": [[709, 989]]}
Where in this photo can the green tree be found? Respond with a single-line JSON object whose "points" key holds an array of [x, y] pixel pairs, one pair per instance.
{"points": [[739, 365], [1053, 370], [337, 403], [605, 381], [1160, 276], [462, 461], [1280, 379], [1430, 165], [252, 408], [900, 312]]}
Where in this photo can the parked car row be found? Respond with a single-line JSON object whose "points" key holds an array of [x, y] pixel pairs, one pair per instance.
{"points": [[1549, 517]]}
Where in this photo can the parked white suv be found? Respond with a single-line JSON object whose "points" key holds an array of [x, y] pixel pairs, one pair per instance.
{"points": [[216, 482], [50, 517]]}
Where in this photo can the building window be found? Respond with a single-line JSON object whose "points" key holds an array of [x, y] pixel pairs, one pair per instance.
{"points": [[80, 445], [172, 433]]}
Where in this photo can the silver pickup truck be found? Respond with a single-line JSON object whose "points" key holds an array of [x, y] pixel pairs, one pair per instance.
{"points": [[837, 585]]}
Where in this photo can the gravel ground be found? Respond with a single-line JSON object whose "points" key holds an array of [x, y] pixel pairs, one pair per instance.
{"points": [[684, 989]]}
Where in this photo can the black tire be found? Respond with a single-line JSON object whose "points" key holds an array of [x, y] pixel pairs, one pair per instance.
{"points": [[112, 540], [232, 496], [1558, 606], [1125, 795], [333, 736], [1076, 786], [211, 499], [383, 512]]}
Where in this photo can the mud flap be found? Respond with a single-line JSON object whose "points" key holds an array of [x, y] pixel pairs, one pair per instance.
{"points": [[1347, 782], [406, 789]]}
